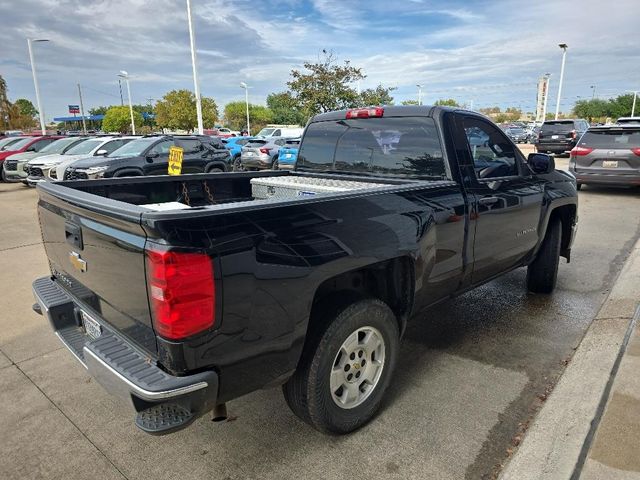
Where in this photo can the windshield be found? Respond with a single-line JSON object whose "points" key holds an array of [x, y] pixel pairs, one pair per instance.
{"points": [[17, 145], [84, 147], [134, 148], [265, 132], [5, 142], [626, 139], [59, 145], [555, 127]]}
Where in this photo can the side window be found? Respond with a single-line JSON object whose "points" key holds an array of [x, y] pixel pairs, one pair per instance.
{"points": [[190, 146], [279, 142], [493, 155], [277, 133], [39, 145], [112, 146], [162, 147]]}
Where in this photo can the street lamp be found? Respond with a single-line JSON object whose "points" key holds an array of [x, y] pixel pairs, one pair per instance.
{"points": [[246, 99], [633, 106], [194, 64], [419, 94], [125, 75], [593, 92], [564, 47], [30, 41]]}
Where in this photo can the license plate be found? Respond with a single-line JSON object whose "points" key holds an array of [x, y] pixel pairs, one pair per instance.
{"points": [[554, 137], [91, 327], [249, 154], [610, 164], [288, 155]]}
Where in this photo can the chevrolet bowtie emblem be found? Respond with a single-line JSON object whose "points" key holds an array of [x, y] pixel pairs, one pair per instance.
{"points": [[77, 262]]}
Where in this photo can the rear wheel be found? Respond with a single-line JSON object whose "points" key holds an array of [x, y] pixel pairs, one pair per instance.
{"points": [[275, 165], [542, 273], [237, 164], [3, 177], [343, 376], [578, 186]]}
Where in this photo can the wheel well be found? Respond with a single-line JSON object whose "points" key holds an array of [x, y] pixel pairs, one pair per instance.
{"points": [[218, 166], [567, 215], [128, 172], [391, 281]]}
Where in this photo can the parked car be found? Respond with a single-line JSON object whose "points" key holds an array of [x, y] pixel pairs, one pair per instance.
{"points": [[150, 156], [7, 141], [234, 145], [559, 136], [52, 167], [280, 131], [15, 166], [607, 155], [625, 120], [175, 292], [517, 134], [288, 154], [24, 144], [261, 153], [221, 132]]}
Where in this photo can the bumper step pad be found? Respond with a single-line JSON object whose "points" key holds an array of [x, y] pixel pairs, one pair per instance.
{"points": [[163, 418]]}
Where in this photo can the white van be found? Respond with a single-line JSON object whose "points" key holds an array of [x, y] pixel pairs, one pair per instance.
{"points": [[288, 131]]}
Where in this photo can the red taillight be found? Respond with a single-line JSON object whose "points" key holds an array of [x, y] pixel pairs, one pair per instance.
{"points": [[580, 151], [365, 112], [181, 293], [264, 150], [636, 151]]}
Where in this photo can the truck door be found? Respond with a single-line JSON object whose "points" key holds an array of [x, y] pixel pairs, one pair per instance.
{"points": [[506, 197]]}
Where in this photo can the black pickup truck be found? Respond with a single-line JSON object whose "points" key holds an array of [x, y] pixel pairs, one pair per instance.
{"points": [[181, 293]]}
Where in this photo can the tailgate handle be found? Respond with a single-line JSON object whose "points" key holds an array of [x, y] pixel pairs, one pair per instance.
{"points": [[73, 234]]}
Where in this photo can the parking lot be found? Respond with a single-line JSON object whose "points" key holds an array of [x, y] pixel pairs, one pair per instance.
{"points": [[471, 374]]}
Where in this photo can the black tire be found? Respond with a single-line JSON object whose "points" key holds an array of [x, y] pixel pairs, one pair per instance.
{"points": [[3, 178], [237, 164], [215, 170], [542, 273], [578, 186], [275, 165], [308, 391]]}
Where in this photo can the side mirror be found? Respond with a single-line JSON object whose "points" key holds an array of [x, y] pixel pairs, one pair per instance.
{"points": [[152, 155], [541, 163], [101, 152], [32, 148]]}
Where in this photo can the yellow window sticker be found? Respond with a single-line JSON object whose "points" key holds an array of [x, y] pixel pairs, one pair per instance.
{"points": [[175, 160]]}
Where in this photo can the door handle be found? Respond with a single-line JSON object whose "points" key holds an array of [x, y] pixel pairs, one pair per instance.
{"points": [[488, 200]]}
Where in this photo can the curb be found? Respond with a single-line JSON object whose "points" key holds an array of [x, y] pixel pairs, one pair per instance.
{"points": [[557, 444]]}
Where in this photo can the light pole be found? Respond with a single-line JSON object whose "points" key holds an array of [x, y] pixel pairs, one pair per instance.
{"points": [[419, 94], [593, 92], [35, 81], [125, 75], [564, 47], [633, 106], [246, 100], [194, 64]]}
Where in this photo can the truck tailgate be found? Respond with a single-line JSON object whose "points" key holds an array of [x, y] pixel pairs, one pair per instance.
{"points": [[98, 257]]}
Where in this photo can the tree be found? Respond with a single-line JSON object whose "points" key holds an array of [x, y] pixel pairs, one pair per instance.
{"points": [[409, 102], [5, 105], [325, 86], [449, 102], [235, 115], [177, 111], [591, 109], [26, 108], [118, 119], [375, 96], [284, 109]]}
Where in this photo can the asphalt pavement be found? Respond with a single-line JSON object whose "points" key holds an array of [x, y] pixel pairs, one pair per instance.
{"points": [[472, 374]]}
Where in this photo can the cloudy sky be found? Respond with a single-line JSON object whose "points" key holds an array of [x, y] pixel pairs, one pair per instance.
{"points": [[488, 52]]}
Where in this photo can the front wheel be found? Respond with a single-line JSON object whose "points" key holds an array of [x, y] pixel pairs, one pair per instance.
{"points": [[275, 165], [542, 273], [342, 377]]}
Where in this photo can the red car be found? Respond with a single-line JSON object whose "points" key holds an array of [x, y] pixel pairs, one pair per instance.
{"points": [[25, 144]]}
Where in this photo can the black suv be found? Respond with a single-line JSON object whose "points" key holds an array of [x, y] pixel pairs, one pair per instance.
{"points": [[559, 136], [149, 155]]}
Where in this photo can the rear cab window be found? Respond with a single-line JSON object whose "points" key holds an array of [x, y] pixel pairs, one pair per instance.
{"points": [[396, 146]]}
